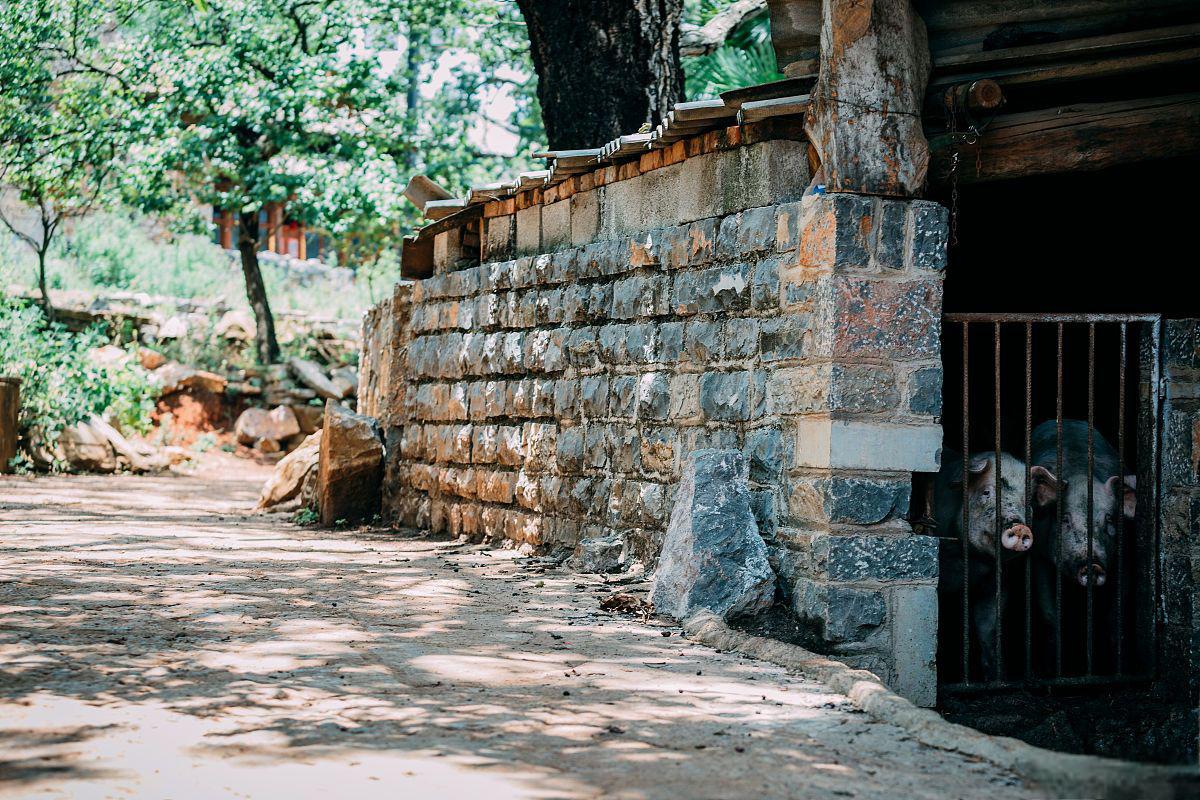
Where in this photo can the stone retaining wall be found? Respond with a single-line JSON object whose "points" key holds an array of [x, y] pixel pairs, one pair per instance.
{"points": [[550, 399]]}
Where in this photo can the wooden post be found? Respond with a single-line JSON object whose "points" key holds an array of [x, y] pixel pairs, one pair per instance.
{"points": [[865, 115], [225, 221], [10, 404], [275, 241]]}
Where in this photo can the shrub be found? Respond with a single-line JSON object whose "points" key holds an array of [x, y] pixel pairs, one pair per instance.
{"points": [[60, 383]]}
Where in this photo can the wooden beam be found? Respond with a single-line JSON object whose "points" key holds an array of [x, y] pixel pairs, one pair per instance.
{"points": [[1072, 138], [865, 116]]}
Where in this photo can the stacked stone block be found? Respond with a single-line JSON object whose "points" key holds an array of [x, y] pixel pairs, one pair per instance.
{"points": [[550, 400]]}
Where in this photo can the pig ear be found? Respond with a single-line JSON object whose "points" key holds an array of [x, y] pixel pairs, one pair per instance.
{"points": [[978, 467], [1045, 485], [1128, 488]]}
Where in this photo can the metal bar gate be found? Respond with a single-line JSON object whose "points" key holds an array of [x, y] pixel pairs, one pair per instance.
{"points": [[1059, 625]]}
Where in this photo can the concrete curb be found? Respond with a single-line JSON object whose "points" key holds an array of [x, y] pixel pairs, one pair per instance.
{"points": [[1065, 774]]}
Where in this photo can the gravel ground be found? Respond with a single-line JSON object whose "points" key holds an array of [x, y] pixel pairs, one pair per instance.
{"points": [[158, 641]]}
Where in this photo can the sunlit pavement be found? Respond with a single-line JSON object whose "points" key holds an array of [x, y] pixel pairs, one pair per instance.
{"points": [[157, 642]]}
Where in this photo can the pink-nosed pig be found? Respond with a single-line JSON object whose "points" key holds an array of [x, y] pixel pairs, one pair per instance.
{"points": [[983, 493], [1114, 499]]}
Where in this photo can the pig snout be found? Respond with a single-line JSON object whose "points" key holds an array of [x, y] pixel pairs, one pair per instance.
{"points": [[1018, 538], [1086, 572]]}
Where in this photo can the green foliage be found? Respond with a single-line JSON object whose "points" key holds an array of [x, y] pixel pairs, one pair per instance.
{"points": [[746, 59], [305, 516], [64, 122], [125, 251], [60, 383]]}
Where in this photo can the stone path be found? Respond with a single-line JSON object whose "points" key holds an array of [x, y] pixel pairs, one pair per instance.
{"points": [[157, 642]]}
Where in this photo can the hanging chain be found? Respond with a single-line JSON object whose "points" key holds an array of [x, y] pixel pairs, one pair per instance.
{"points": [[969, 136]]}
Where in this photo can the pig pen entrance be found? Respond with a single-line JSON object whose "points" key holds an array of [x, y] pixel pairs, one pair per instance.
{"points": [[1072, 246]]}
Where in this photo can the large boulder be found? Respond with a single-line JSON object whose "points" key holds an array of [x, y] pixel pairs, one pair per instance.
{"points": [[311, 375], [288, 478], [86, 449], [346, 380], [175, 377], [309, 417], [712, 556], [257, 424], [351, 466]]}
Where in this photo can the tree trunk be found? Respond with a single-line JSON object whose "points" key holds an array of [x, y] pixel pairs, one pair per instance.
{"points": [[265, 344], [865, 116], [604, 67], [47, 306]]}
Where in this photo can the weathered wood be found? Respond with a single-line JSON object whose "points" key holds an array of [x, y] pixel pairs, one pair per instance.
{"points": [[1072, 138], [796, 35], [989, 25], [10, 404], [702, 110], [416, 257], [864, 118], [756, 110], [787, 87]]}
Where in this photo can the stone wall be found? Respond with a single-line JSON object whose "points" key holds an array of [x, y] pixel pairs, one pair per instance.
{"points": [[550, 399]]}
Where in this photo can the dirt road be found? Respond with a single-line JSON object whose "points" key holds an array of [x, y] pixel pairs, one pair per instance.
{"points": [[158, 642]]}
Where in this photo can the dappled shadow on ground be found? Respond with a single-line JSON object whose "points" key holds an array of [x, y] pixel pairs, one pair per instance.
{"points": [[245, 641]]}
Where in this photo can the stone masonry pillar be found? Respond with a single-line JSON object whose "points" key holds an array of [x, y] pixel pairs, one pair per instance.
{"points": [[864, 415]]}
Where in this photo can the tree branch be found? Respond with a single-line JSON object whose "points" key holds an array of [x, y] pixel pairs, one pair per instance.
{"points": [[708, 37]]}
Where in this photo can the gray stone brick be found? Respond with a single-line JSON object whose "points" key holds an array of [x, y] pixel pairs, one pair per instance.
{"points": [[891, 244], [670, 342], [612, 344], [641, 342], [685, 293], [702, 342], [724, 289], [725, 396], [653, 396], [862, 388], [566, 398], [569, 450], [756, 231], [593, 396], [575, 303], [583, 348], [741, 338], [623, 446], [925, 391], [930, 235], [685, 397], [785, 337], [765, 452], [635, 296], [787, 226], [543, 398], [914, 612], [764, 291], [866, 501], [843, 613], [596, 447], [853, 221], [599, 302], [658, 454], [727, 238], [624, 395], [876, 557], [887, 319]]}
